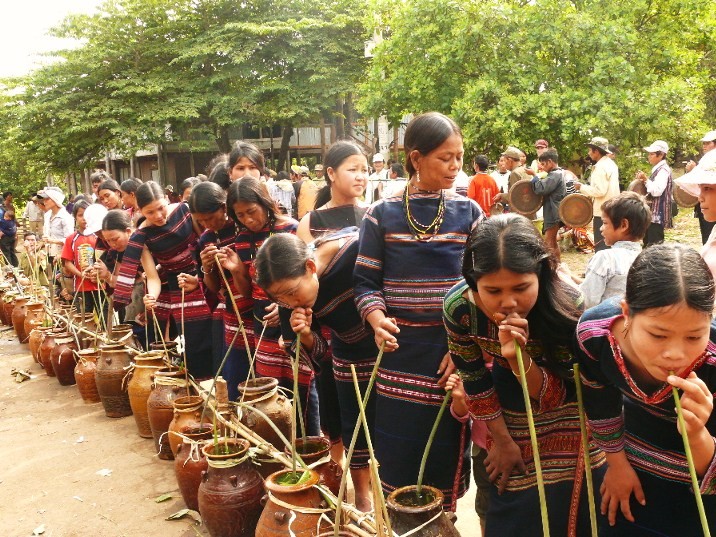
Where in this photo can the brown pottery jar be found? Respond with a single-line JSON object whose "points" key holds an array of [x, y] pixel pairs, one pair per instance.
{"points": [[85, 375], [48, 343], [8, 305], [276, 517], [262, 393], [19, 311], [190, 462], [35, 340], [313, 449], [169, 383], [407, 513], [231, 490], [140, 386], [112, 367], [63, 358], [187, 415], [35, 316]]}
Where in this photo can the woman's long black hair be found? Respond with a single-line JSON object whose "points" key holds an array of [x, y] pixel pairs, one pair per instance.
{"points": [[510, 241]]}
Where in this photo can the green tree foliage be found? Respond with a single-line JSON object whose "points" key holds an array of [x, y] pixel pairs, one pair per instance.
{"points": [[149, 71], [512, 71]]}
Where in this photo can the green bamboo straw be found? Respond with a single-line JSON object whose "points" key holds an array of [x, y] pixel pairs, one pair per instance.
{"points": [[690, 461], [373, 466], [233, 303], [434, 430], [585, 448], [533, 440]]}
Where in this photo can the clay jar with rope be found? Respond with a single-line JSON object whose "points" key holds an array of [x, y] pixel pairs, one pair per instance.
{"points": [[421, 516], [33, 318], [298, 510], [168, 384], [139, 387], [85, 375], [190, 462], [45, 352], [35, 340], [112, 366], [231, 490], [86, 322], [19, 311], [63, 358], [315, 451], [8, 305], [187, 415]]}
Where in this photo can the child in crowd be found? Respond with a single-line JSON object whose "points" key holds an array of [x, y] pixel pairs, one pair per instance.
{"points": [[8, 234], [77, 257], [33, 261], [625, 220], [552, 188], [631, 354], [512, 294]]}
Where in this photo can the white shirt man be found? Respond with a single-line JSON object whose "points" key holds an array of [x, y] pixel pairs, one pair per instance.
{"points": [[376, 178]]}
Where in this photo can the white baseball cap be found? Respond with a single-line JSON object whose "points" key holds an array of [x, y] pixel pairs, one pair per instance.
{"points": [[659, 146], [54, 193], [703, 174], [709, 137], [378, 157], [94, 215]]}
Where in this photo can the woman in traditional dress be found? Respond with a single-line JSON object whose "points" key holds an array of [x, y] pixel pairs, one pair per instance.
{"points": [[164, 245], [257, 218], [409, 257], [632, 353], [512, 294], [338, 206], [208, 207], [315, 282]]}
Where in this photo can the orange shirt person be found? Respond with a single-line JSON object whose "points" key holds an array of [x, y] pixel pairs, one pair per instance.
{"points": [[482, 187]]}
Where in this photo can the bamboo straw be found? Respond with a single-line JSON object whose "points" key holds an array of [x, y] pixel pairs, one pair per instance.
{"points": [[585, 448], [690, 462], [356, 429], [434, 430], [375, 477], [533, 439], [183, 347], [233, 303]]}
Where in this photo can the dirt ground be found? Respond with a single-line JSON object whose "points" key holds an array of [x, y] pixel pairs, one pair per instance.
{"points": [[55, 449]]}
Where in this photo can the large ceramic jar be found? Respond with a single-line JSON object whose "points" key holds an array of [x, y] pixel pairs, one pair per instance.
{"points": [[85, 375], [187, 415], [86, 322], [262, 394], [315, 451], [300, 505], [190, 462], [63, 358], [35, 316], [407, 512], [231, 490], [8, 305], [19, 311], [169, 383], [140, 386], [124, 334], [112, 366], [46, 346], [169, 348], [35, 340]]}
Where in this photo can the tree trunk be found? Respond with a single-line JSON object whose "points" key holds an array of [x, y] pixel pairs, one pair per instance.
{"points": [[222, 140], [286, 133], [349, 115], [338, 121], [323, 139]]}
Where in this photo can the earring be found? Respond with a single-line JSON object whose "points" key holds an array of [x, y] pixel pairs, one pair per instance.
{"points": [[417, 176], [626, 327]]}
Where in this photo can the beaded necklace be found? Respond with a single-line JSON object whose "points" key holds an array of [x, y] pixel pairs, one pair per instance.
{"points": [[421, 231]]}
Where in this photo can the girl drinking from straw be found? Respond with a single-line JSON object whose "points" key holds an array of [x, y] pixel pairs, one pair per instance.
{"points": [[316, 282], [409, 257], [632, 353], [512, 295], [208, 207], [167, 238], [258, 218]]}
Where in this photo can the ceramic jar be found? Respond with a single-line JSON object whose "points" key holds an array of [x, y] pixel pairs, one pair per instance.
{"points": [[190, 462], [169, 383], [140, 386], [45, 352], [62, 358], [317, 449], [19, 312], [85, 375], [406, 513], [35, 340], [112, 367], [262, 393], [301, 498], [187, 415], [231, 490], [35, 316]]}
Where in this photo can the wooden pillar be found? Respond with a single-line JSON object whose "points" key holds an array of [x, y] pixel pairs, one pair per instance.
{"points": [[192, 167], [131, 166], [323, 139]]}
